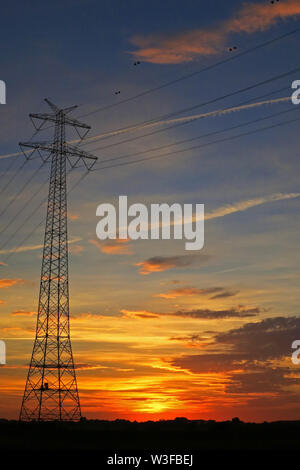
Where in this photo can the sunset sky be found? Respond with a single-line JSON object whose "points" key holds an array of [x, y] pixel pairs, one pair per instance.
{"points": [[158, 331]]}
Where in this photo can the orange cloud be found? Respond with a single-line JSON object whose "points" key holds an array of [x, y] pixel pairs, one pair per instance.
{"points": [[86, 366], [139, 314], [189, 45], [219, 292], [164, 263], [9, 282], [72, 216], [87, 315], [76, 249], [193, 340], [10, 328], [113, 247], [197, 314], [188, 291], [23, 312], [15, 330]]}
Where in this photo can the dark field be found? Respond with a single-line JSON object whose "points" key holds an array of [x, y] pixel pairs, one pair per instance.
{"points": [[179, 435]]}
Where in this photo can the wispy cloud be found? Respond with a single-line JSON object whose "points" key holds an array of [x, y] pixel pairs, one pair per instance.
{"points": [[113, 247], [199, 314], [73, 216], [164, 263], [266, 340], [87, 315], [191, 118], [76, 249], [13, 331], [245, 205], [21, 249], [139, 314], [189, 45], [241, 206], [194, 338], [219, 292], [9, 282], [208, 314], [26, 313], [218, 112], [16, 154], [163, 122], [224, 294]]}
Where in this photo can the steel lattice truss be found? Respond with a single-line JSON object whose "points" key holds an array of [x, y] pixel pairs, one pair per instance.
{"points": [[51, 388]]}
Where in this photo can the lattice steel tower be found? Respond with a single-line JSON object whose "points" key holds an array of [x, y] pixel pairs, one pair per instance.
{"points": [[51, 388]]}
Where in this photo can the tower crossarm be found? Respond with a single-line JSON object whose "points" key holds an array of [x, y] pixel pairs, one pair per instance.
{"points": [[43, 116], [53, 118], [38, 145], [88, 159], [75, 123]]}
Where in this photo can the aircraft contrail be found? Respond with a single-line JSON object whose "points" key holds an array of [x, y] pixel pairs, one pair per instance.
{"points": [[8, 155], [195, 117], [218, 112]]}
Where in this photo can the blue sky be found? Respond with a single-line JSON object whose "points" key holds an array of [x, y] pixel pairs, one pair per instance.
{"points": [[79, 53]]}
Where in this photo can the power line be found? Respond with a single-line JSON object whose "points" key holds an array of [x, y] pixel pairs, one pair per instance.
{"points": [[176, 125], [24, 240], [18, 194], [197, 72], [210, 67], [23, 208], [210, 134], [186, 109], [199, 105], [113, 159], [13, 176], [22, 225], [199, 146], [154, 149], [22, 189], [9, 167], [19, 169], [138, 161]]}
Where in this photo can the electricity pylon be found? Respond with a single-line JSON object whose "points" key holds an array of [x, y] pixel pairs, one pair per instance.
{"points": [[51, 391]]}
